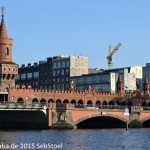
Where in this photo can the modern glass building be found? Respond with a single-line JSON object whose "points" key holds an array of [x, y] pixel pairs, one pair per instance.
{"points": [[100, 82], [105, 80], [146, 71]]}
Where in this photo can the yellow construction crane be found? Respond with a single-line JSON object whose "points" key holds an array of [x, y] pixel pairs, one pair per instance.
{"points": [[109, 57]]}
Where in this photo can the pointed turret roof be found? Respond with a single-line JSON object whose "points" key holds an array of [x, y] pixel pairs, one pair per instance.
{"points": [[3, 31], [146, 80], [119, 79]]}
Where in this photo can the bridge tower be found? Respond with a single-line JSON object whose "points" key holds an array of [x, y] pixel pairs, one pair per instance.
{"points": [[119, 85], [8, 69], [146, 86]]}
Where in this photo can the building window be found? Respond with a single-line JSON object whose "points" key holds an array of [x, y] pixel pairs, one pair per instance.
{"points": [[54, 65], [29, 75], [58, 87], [66, 79], [36, 74], [58, 64], [62, 87], [23, 76], [63, 64], [50, 87], [67, 71], [68, 63], [7, 51], [62, 72], [58, 72], [53, 73]]}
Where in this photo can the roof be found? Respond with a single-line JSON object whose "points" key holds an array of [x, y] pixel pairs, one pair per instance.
{"points": [[3, 31], [5, 62]]}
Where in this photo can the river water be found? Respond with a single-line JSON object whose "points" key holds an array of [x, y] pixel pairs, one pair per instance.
{"points": [[86, 139]]}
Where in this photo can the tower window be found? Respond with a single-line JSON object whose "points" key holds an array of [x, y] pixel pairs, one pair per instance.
{"points": [[7, 51]]}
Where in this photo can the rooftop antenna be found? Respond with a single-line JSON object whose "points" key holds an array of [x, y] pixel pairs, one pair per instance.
{"points": [[3, 11]]}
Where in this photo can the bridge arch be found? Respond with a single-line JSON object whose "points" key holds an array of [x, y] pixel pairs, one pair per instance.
{"points": [[89, 103], [73, 101], [43, 101], [77, 122], [98, 103], [20, 100], [50, 101], [111, 103], [146, 122], [35, 100], [66, 101], [80, 101], [104, 104], [58, 101]]}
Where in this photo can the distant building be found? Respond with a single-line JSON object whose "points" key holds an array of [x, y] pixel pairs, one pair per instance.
{"points": [[128, 75], [28, 75], [52, 73], [100, 82], [105, 81], [146, 71]]}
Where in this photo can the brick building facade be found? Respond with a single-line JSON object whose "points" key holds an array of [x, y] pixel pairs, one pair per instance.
{"points": [[52, 73], [8, 69]]}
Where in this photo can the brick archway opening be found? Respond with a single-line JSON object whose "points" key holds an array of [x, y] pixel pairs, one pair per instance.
{"points": [[35, 100], [73, 101], [20, 100], [43, 102], [66, 101]]}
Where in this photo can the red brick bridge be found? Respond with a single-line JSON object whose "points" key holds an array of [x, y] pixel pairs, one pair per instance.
{"points": [[67, 109]]}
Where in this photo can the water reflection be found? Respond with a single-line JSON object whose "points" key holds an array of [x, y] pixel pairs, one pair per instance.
{"points": [[112, 139]]}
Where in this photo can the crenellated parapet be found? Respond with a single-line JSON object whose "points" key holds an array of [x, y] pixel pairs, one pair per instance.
{"points": [[27, 94]]}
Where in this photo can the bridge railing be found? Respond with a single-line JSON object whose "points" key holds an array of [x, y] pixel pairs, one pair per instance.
{"points": [[146, 107], [100, 106], [13, 105]]}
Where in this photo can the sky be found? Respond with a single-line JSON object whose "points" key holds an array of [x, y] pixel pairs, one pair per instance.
{"points": [[45, 28]]}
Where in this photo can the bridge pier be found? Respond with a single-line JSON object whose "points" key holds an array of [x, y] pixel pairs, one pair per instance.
{"points": [[135, 117], [59, 117], [69, 118]]}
